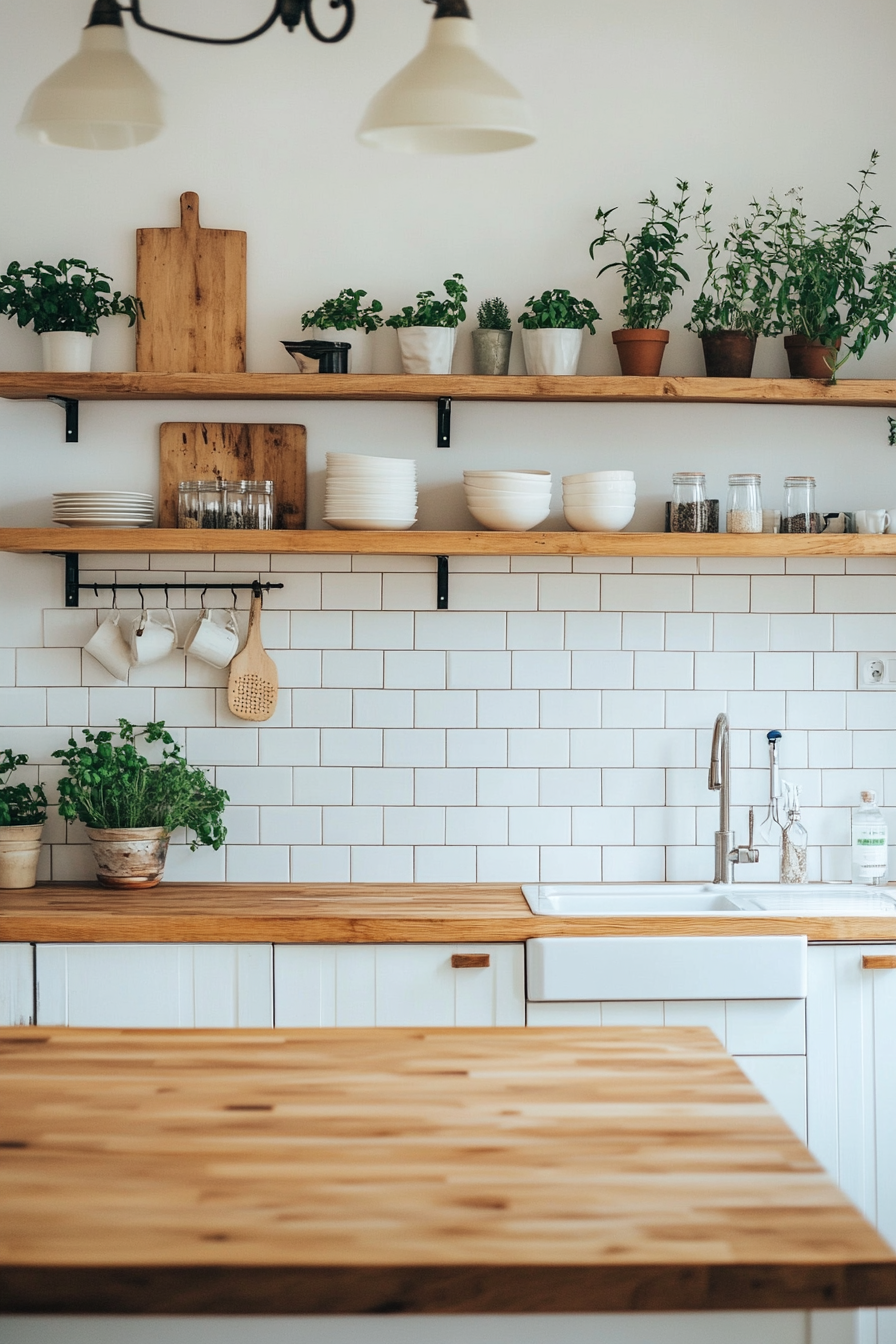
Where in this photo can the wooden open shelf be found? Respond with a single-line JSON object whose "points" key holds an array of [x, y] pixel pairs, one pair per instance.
{"points": [[31, 540], [407, 387]]}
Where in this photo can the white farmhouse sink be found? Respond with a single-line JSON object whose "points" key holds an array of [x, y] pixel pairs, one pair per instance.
{"points": [[589, 899]]}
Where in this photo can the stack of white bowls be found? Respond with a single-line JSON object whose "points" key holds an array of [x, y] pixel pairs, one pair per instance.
{"points": [[599, 501], [104, 508], [378, 494], [508, 501]]}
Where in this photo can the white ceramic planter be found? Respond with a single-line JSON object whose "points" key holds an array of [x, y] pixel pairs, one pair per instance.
{"points": [[552, 350], [427, 349], [19, 855], [360, 357], [129, 857], [66, 351]]}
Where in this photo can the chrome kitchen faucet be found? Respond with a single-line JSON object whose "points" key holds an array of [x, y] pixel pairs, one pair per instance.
{"points": [[727, 852]]}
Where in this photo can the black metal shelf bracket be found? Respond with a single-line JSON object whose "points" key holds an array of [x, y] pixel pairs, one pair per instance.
{"points": [[443, 423], [442, 583], [74, 586], [70, 406]]}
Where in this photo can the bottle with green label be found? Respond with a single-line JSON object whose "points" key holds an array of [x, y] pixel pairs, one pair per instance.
{"points": [[869, 842]]}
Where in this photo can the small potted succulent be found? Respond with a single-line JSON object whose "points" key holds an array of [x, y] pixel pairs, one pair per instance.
{"points": [[651, 276], [492, 339], [830, 295], [736, 304], [23, 811], [427, 333], [553, 330], [130, 806], [336, 318], [64, 304]]}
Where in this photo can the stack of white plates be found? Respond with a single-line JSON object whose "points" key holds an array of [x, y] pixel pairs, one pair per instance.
{"points": [[103, 508], [599, 501], [508, 501], [376, 493]]}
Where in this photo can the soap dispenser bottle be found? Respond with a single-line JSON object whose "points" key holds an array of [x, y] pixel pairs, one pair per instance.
{"points": [[869, 842]]}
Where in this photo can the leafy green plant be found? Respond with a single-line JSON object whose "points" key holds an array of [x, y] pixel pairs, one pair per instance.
{"points": [[110, 786], [829, 291], [493, 315], [433, 312], [650, 269], [345, 313], [558, 308], [70, 296], [20, 804], [741, 282]]}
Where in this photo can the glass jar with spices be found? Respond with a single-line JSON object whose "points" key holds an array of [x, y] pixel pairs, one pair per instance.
{"points": [[259, 505], [234, 504], [689, 512], [744, 512], [211, 504], [189, 512], [799, 513]]}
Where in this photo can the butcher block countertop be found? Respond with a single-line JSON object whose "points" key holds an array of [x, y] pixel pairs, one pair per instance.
{"points": [[350, 1171], [206, 912]]}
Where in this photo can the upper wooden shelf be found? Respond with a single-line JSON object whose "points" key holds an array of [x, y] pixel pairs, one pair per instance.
{"points": [[174, 540], [407, 387]]}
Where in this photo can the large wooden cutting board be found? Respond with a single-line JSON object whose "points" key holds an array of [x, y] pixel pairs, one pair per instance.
{"points": [[195, 451], [192, 283]]}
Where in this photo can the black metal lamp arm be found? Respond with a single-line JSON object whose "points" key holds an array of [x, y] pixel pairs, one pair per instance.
{"points": [[290, 11]]}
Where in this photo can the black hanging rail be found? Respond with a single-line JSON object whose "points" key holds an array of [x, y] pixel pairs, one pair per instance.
{"points": [[74, 586]]}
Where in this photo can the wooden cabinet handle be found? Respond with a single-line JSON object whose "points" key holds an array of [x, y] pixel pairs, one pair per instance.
{"points": [[462, 961], [882, 963]]}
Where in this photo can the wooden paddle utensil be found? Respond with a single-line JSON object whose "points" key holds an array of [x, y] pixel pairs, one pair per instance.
{"points": [[253, 684]]}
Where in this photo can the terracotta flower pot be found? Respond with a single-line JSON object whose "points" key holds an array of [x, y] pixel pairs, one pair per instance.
{"points": [[809, 359], [19, 855], [129, 857], [728, 354], [640, 350]]}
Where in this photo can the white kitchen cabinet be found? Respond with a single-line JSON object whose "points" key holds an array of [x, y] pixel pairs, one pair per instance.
{"points": [[154, 985], [16, 984], [851, 1057], [400, 985]]}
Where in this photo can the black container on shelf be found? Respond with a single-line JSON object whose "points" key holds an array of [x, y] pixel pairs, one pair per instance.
{"points": [[319, 356], [712, 515]]}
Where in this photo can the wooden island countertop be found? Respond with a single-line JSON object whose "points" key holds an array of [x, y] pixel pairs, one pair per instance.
{"points": [[209, 912], [453, 1171]]}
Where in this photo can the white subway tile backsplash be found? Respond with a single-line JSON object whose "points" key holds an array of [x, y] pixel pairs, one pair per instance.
{"points": [[351, 746], [259, 785], [535, 629], [456, 863], [815, 564], [321, 708], [23, 706], [856, 633], [832, 750], [288, 746], [537, 747], [107, 706], [724, 671], [871, 750], [566, 788], [632, 788], [693, 709], [591, 630], [730, 564], [793, 593], [508, 709], [320, 863], [222, 746], [409, 592], [507, 788], [414, 826], [393, 564], [758, 709], [67, 705], [476, 825], [257, 863], [835, 672], [801, 633], [816, 709], [715, 592], [660, 671], [386, 709], [634, 709], [477, 747], [689, 631], [665, 826], [414, 747], [382, 787], [569, 592], [300, 592], [508, 864], [663, 747], [643, 630], [843, 788], [608, 825], [496, 592], [187, 708], [638, 863], [686, 864], [443, 709], [460, 630], [854, 593], [415, 669], [352, 669], [382, 630], [786, 671], [349, 592], [352, 825], [578, 864], [867, 710], [669, 564], [601, 564], [445, 788], [68, 629], [7, 667], [593, 747], [243, 825], [542, 669], [321, 630], [297, 667], [647, 592], [314, 786], [688, 787], [570, 709], [741, 633], [478, 670], [614, 669], [540, 826], [540, 564]]}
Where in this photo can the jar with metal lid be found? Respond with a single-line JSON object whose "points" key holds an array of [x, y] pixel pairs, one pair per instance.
{"points": [[689, 512], [799, 513], [744, 512], [234, 504], [259, 505], [211, 504], [189, 509]]}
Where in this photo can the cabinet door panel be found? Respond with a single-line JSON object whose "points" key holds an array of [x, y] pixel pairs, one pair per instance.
{"points": [[782, 1081], [16, 985], [766, 1026], [415, 986]]}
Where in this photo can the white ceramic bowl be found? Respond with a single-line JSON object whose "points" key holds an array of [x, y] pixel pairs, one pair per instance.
{"points": [[362, 496], [476, 492], [606, 487], [598, 517], [600, 501], [509, 517], [365, 461], [371, 524], [513, 475], [585, 476], [525, 502], [508, 487]]}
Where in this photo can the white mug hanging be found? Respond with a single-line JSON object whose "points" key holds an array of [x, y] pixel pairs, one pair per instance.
{"points": [[110, 648], [212, 642], [152, 640]]}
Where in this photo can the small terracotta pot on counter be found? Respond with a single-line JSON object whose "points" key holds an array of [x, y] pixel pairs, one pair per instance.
{"points": [[728, 354], [640, 350], [809, 359], [19, 855], [129, 856]]}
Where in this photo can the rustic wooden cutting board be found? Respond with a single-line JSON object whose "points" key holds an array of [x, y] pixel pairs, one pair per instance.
{"points": [[192, 283], [195, 451]]}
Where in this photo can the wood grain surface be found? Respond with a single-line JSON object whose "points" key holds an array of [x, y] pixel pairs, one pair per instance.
{"points": [[294, 386], [192, 284], [503, 1170], [234, 912], [201, 451]]}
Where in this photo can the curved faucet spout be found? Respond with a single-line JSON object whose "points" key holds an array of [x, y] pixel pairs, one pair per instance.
{"points": [[727, 852]]}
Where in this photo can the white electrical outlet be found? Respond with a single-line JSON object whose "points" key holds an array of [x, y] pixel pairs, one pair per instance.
{"points": [[877, 671]]}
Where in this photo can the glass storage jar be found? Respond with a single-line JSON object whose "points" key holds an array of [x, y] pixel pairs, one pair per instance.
{"points": [[744, 513], [234, 504], [189, 509], [689, 512], [799, 513], [259, 505], [211, 502]]}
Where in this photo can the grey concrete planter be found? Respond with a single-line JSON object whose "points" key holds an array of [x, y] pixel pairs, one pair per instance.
{"points": [[491, 351], [129, 857]]}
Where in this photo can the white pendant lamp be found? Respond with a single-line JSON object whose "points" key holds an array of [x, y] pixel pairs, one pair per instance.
{"points": [[448, 100]]}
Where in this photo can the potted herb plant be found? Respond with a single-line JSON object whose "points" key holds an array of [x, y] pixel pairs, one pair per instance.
{"points": [[344, 314], [651, 276], [830, 294], [427, 333], [553, 330], [736, 304], [130, 806], [64, 304], [492, 339], [23, 811]]}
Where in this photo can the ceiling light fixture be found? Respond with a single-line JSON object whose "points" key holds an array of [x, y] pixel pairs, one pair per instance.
{"points": [[103, 98], [448, 100]]}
